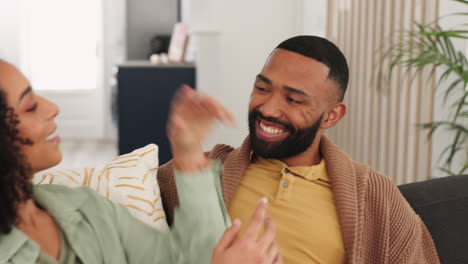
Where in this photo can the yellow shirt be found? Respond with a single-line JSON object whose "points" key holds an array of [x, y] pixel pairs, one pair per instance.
{"points": [[301, 204]]}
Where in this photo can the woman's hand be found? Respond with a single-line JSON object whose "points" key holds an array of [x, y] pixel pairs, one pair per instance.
{"points": [[191, 118], [248, 249]]}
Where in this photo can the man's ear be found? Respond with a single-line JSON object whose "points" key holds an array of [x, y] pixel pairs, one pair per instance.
{"points": [[333, 115]]}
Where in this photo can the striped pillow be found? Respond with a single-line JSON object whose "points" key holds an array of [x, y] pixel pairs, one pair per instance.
{"points": [[129, 179]]}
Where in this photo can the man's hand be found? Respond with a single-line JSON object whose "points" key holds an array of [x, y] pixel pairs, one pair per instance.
{"points": [[191, 118], [247, 249]]}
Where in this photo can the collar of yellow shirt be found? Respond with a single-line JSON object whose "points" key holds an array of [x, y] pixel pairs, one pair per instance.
{"points": [[315, 173]]}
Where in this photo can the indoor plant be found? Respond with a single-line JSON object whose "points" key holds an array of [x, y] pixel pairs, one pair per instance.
{"points": [[430, 46]]}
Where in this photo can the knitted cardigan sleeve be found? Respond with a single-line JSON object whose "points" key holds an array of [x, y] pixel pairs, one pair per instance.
{"points": [[168, 189], [167, 185], [392, 231]]}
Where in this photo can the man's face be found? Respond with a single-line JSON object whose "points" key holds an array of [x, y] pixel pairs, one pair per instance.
{"points": [[289, 99]]}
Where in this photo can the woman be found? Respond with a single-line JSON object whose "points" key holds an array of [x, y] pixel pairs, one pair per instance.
{"points": [[55, 224]]}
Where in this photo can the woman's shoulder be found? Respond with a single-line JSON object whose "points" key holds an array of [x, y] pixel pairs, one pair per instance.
{"points": [[63, 191], [60, 196]]}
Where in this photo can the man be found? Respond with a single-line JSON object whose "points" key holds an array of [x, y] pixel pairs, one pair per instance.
{"points": [[327, 208]]}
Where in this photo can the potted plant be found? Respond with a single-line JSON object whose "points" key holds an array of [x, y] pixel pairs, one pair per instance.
{"points": [[430, 46]]}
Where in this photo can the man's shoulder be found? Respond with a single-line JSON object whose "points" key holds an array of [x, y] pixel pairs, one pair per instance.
{"points": [[377, 178], [389, 217], [383, 191], [370, 176], [374, 183], [220, 151], [377, 184]]}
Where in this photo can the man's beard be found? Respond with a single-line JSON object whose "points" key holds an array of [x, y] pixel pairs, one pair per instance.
{"points": [[297, 142]]}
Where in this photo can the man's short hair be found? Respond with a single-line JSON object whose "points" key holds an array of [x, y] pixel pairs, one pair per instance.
{"points": [[324, 51]]}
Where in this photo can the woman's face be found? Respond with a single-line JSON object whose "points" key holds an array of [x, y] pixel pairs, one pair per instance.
{"points": [[36, 119]]}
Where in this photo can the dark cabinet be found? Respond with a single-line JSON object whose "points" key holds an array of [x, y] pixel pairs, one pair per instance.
{"points": [[144, 95]]}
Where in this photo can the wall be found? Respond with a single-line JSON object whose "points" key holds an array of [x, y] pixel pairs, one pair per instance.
{"points": [[146, 18], [236, 38], [114, 51], [9, 31], [314, 21]]}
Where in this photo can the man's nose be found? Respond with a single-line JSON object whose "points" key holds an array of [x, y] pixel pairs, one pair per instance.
{"points": [[272, 108]]}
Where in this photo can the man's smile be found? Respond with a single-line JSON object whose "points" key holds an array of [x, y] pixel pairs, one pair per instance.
{"points": [[270, 131]]}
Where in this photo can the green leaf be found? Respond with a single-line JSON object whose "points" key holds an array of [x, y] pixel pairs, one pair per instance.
{"points": [[458, 14], [450, 47], [464, 168], [450, 89], [454, 148], [461, 1], [446, 33], [448, 171], [444, 76], [459, 106]]}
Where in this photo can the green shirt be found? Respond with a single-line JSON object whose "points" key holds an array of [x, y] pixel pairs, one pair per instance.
{"points": [[100, 231], [67, 255]]}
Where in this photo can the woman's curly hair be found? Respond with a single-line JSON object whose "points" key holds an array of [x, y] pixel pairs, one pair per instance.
{"points": [[15, 185]]}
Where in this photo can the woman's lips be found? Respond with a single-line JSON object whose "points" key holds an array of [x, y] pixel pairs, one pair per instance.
{"points": [[53, 138]]}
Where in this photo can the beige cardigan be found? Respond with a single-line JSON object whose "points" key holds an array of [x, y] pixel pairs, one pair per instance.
{"points": [[377, 224]]}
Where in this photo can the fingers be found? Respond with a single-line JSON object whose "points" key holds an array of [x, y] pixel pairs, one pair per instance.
{"points": [[183, 94], [190, 103], [184, 101], [256, 221], [215, 108], [272, 254], [268, 236], [229, 235], [187, 114], [176, 123], [278, 259]]}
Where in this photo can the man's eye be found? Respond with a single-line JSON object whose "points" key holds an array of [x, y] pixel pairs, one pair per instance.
{"points": [[262, 89], [292, 100], [32, 108]]}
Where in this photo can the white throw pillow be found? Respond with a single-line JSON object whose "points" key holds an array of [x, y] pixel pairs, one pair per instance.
{"points": [[129, 180]]}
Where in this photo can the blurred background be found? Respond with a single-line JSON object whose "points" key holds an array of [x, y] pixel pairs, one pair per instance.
{"points": [[92, 57]]}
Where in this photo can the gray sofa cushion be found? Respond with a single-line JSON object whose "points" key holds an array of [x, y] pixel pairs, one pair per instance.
{"points": [[443, 206]]}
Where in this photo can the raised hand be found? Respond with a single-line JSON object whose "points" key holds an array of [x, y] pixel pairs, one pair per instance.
{"points": [[191, 118], [248, 249]]}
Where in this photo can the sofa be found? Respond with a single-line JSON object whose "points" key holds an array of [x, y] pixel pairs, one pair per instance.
{"points": [[443, 206]]}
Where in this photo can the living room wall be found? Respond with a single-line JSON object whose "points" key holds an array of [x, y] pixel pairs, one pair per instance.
{"points": [[146, 18], [9, 33], [236, 39]]}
